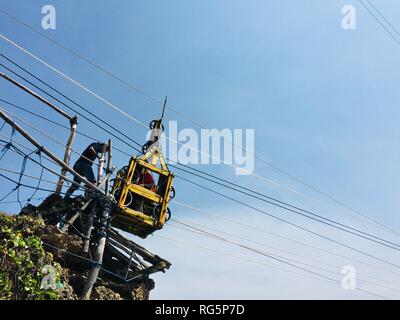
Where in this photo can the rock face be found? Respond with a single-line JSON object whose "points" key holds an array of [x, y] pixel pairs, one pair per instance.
{"points": [[64, 252], [66, 249]]}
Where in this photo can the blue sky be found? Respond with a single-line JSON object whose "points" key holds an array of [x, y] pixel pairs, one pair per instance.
{"points": [[322, 101]]}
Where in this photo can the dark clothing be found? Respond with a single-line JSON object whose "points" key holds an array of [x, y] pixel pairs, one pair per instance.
{"points": [[84, 168], [146, 180], [88, 156]]}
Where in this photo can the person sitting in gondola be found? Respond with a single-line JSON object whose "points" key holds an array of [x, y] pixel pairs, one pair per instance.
{"points": [[143, 178], [146, 180]]}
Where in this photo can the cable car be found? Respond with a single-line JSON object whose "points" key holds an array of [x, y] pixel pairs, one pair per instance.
{"points": [[143, 189]]}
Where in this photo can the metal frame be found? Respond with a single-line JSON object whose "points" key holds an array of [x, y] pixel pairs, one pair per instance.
{"points": [[137, 222]]}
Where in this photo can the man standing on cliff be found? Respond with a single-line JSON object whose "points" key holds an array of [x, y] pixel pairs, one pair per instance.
{"points": [[83, 166]]}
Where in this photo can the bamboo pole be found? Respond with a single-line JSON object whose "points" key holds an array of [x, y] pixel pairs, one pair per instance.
{"points": [[52, 106], [98, 255], [144, 253], [72, 120], [109, 165], [67, 154], [92, 214], [83, 208], [88, 228], [48, 153], [101, 165], [114, 252]]}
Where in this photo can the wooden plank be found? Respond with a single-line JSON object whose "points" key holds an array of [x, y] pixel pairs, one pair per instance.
{"points": [[144, 253]]}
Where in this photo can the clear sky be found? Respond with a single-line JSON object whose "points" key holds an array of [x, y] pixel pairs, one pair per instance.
{"points": [[322, 101]]}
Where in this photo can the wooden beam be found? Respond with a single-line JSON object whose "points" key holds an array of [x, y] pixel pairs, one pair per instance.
{"points": [[98, 255], [52, 106], [72, 120], [101, 164], [53, 157], [119, 255], [144, 253], [67, 155], [109, 165]]}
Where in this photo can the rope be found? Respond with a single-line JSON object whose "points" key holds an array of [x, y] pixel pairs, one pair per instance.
{"points": [[299, 211], [73, 102], [270, 256], [253, 174], [17, 150], [47, 135], [26, 200], [95, 263], [315, 216], [264, 231], [141, 123], [281, 250], [39, 153], [21, 175], [8, 194], [8, 144], [4, 151], [92, 262], [294, 224]]}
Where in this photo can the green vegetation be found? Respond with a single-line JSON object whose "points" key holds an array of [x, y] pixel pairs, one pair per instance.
{"points": [[27, 271]]}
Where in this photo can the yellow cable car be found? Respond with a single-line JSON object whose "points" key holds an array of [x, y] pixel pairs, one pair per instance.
{"points": [[143, 208]]}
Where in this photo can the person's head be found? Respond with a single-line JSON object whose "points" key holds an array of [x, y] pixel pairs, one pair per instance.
{"points": [[102, 144]]}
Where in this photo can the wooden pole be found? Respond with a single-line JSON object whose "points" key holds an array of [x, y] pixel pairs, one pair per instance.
{"points": [[101, 165], [109, 165], [67, 154], [72, 120], [52, 106], [98, 255], [88, 229], [92, 214], [48, 153], [144, 253], [83, 208]]}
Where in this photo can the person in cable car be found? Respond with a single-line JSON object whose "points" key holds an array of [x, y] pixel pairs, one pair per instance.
{"points": [[146, 180], [143, 178]]}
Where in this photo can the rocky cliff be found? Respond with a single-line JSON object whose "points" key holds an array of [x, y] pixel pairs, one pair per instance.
{"points": [[39, 262]]}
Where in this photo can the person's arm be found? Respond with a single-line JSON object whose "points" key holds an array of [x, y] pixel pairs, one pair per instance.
{"points": [[96, 148], [93, 151]]}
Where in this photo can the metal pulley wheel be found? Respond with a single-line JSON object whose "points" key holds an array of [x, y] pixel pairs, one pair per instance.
{"points": [[152, 125], [156, 213], [172, 193]]}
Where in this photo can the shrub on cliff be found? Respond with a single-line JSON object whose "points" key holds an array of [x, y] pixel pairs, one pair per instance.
{"points": [[27, 271]]}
